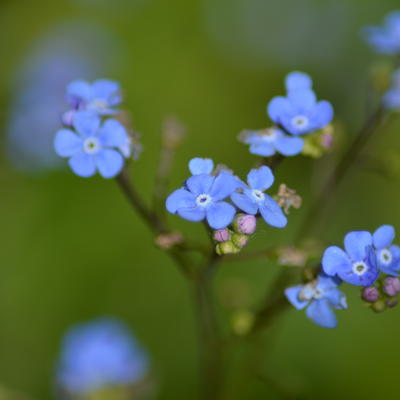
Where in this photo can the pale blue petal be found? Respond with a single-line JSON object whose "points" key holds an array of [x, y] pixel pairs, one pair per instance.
{"points": [[262, 148], [224, 185], [261, 178], [83, 164], [200, 184], [321, 314], [272, 213], [194, 214], [292, 295], [67, 143], [220, 215], [334, 260], [336, 298], [327, 282], [356, 243], [288, 145], [245, 203], [180, 198], [321, 116], [297, 81], [199, 166], [113, 134], [79, 89], [107, 90], [302, 100], [109, 163], [383, 236], [86, 123], [278, 106]]}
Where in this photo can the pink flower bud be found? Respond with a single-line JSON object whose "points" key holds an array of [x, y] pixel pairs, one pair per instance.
{"points": [[222, 235], [246, 224], [391, 286]]}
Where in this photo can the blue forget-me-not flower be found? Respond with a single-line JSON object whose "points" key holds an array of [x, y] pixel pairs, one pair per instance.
{"points": [[99, 354], [252, 199], [385, 39], [357, 265], [387, 254], [320, 297], [299, 112], [93, 146]]}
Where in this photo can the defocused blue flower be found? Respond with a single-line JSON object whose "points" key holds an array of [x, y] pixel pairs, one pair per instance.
{"points": [[101, 96], [385, 38], [387, 254], [201, 198], [252, 198], [391, 99], [299, 112], [199, 166], [357, 265], [94, 146], [100, 354], [320, 297], [267, 142]]}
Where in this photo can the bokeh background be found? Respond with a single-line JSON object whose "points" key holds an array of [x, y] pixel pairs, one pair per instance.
{"points": [[72, 249]]}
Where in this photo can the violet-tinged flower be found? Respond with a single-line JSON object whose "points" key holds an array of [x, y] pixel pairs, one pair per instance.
{"points": [[385, 39], [245, 223], [100, 354], [320, 297], [93, 146], [101, 96], [357, 265], [252, 198], [202, 198], [370, 294], [222, 235], [299, 112], [199, 166], [267, 142], [391, 286], [387, 254]]}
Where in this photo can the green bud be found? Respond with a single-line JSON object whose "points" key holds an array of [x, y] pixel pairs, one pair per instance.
{"points": [[240, 239], [226, 248], [379, 306]]}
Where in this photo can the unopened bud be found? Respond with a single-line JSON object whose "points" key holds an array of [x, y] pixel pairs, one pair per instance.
{"points": [[391, 302], [68, 117], [391, 286], [370, 294], [240, 240], [226, 248], [245, 223], [222, 235], [379, 306]]}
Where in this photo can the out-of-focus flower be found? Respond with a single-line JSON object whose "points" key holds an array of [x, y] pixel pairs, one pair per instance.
{"points": [[391, 99], [288, 198]]}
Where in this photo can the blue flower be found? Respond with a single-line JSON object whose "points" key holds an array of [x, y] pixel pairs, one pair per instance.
{"points": [[252, 198], [357, 265], [201, 197], [320, 297], [385, 39], [387, 254], [100, 354], [299, 113], [391, 99], [267, 142], [100, 97], [94, 146], [199, 166]]}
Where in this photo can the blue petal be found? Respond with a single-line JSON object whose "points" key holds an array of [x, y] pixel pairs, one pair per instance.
{"points": [[322, 115], [272, 213], [262, 148], [367, 279], [83, 165], [194, 214], [180, 198], [261, 178], [79, 89], [383, 236], [336, 298], [391, 99], [200, 184], [302, 100], [297, 81], [326, 282], [288, 145], [109, 163], [199, 166], [67, 143], [220, 215], [292, 295], [113, 134], [278, 106], [107, 90], [356, 243], [245, 203], [334, 260], [86, 123], [224, 185], [322, 314]]}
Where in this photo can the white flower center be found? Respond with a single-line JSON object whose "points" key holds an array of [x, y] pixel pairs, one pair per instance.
{"points": [[300, 121], [258, 195], [318, 294], [91, 145], [360, 268], [310, 291], [98, 103], [203, 200], [385, 256]]}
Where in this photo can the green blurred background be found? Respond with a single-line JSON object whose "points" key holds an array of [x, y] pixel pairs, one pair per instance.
{"points": [[72, 249]]}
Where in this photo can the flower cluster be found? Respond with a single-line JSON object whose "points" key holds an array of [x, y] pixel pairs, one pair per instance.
{"points": [[90, 142], [204, 194], [295, 115]]}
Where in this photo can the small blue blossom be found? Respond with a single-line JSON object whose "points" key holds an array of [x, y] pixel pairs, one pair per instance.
{"points": [[199, 166], [357, 265], [391, 99], [252, 198], [387, 254], [100, 97], [385, 39], [99, 354], [267, 142], [320, 297], [299, 112], [93, 146], [202, 198]]}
